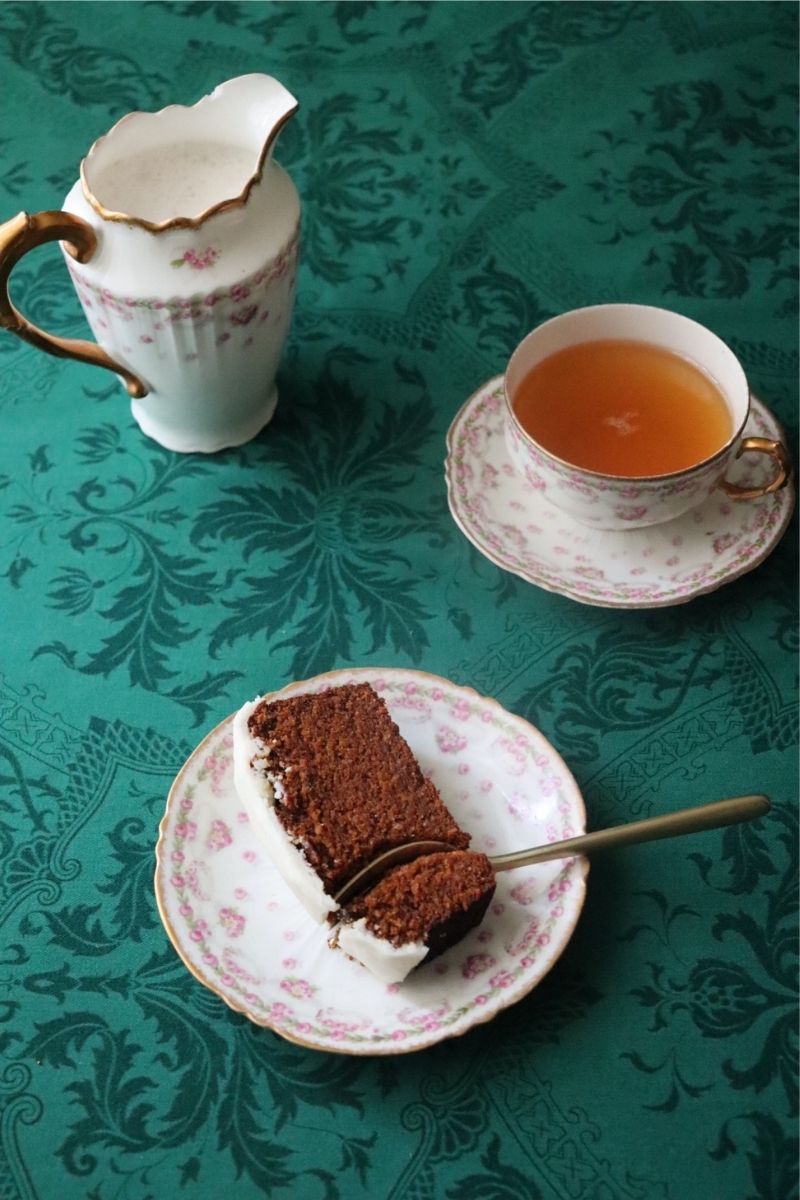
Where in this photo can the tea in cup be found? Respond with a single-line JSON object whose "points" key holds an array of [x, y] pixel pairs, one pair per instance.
{"points": [[625, 415]]}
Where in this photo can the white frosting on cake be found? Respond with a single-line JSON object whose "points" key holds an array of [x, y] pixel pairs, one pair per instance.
{"points": [[259, 792], [388, 963]]}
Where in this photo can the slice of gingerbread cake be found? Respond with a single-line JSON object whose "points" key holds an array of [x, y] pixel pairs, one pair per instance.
{"points": [[329, 783], [415, 912]]}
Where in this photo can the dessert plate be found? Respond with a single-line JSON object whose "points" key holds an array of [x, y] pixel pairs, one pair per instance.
{"points": [[241, 932], [508, 521]]}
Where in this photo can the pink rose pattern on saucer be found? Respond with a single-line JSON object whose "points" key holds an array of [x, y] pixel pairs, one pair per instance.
{"points": [[241, 932], [507, 519]]}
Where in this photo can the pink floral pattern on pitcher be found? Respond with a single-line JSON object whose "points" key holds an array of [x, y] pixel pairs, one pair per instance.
{"points": [[244, 316], [198, 260], [177, 324]]}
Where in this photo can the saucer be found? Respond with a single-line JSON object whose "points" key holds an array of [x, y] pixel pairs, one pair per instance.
{"points": [[240, 930], [508, 521]]}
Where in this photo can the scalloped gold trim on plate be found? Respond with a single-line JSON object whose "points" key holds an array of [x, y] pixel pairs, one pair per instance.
{"points": [[242, 934], [513, 526]]}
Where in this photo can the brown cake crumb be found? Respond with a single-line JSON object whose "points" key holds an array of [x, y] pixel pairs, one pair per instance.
{"points": [[347, 785], [435, 899]]}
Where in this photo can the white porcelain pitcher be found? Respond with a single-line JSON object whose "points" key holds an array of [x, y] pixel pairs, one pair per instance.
{"points": [[181, 238]]}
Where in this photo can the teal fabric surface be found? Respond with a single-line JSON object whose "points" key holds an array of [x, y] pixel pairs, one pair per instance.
{"points": [[466, 170]]}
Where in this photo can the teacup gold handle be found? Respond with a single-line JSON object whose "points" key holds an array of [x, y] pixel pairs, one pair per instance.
{"points": [[21, 234], [783, 469]]}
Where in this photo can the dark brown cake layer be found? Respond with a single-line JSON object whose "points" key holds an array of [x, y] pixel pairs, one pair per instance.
{"points": [[435, 900], [351, 786]]}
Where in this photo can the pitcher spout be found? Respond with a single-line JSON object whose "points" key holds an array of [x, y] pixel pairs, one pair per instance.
{"points": [[175, 168], [261, 103]]}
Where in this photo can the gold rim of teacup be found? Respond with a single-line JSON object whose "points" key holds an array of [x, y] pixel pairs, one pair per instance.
{"points": [[571, 466]]}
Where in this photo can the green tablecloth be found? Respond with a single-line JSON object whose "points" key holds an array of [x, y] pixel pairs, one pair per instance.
{"points": [[466, 170]]}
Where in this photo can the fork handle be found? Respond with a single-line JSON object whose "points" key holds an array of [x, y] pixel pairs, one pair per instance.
{"points": [[687, 820]]}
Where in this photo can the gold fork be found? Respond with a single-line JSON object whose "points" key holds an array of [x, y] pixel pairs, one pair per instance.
{"points": [[686, 820]]}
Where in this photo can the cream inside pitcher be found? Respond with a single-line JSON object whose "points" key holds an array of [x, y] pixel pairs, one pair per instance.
{"points": [[181, 239]]}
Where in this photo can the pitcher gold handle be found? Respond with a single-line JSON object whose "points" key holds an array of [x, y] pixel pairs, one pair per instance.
{"points": [[21, 234], [783, 469]]}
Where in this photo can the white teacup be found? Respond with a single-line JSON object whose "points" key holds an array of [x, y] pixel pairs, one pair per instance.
{"points": [[631, 502]]}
